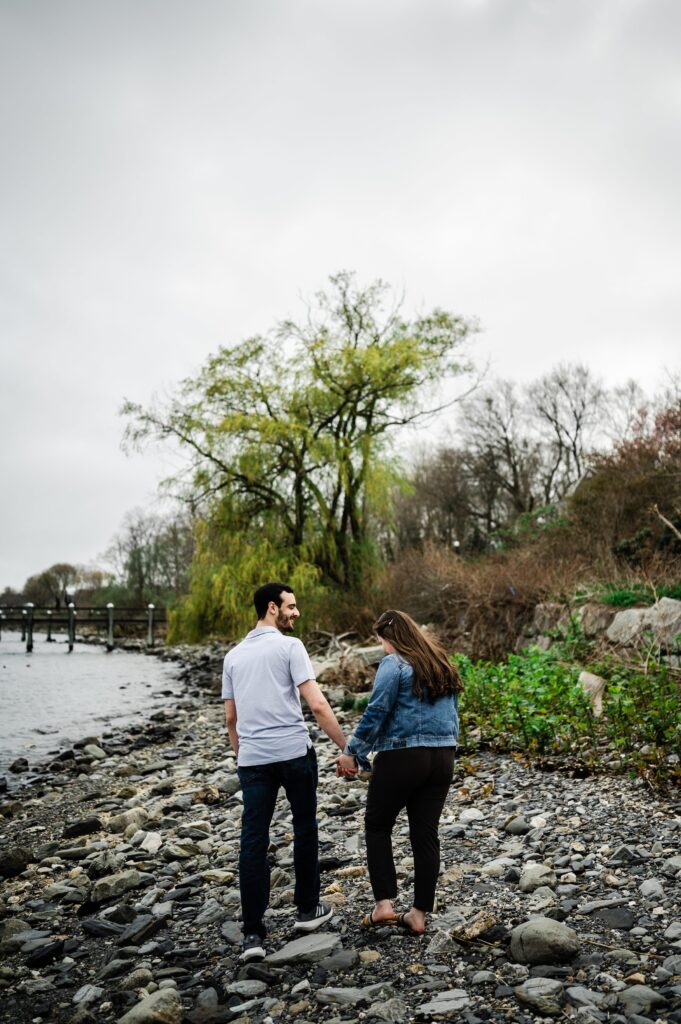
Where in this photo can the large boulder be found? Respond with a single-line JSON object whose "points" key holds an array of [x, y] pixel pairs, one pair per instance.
{"points": [[543, 941], [662, 620]]}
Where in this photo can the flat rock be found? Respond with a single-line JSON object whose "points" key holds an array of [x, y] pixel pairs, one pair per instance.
{"points": [[640, 999], [543, 994], [451, 1001], [350, 996], [110, 886], [88, 994], [308, 949]]}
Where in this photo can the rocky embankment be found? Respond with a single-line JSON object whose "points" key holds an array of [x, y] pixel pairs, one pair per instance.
{"points": [[558, 897]]}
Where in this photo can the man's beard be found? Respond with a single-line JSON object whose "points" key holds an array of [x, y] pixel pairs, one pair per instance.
{"points": [[285, 622]]}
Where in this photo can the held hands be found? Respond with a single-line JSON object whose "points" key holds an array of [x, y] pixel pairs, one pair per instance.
{"points": [[346, 767]]}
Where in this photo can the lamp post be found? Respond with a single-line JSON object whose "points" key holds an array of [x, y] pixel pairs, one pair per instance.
{"points": [[49, 626], [150, 633], [72, 625], [110, 624], [29, 627]]}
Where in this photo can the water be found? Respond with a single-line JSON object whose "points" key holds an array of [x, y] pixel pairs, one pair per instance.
{"points": [[50, 698]]}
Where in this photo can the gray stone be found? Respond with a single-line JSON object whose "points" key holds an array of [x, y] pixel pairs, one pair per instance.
{"points": [[671, 867], [618, 918], [543, 994], [484, 978], [161, 1007], [105, 863], [517, 826], [393, 1009], [440, 944], [541, 899], [247, 988], [663, 620], [120, 822], [231, 931], [673, 931], [640, 999], [588, 908], [652, 889], [341, 960], [307, 949], [13, 926], [15, 860], [137, 979], [140, 930], [211, 912], [594, 687], [451, 1001], [578, 995], [543, 941], [536, 876], [82, 827], [115, 885], [88, 994], [95, 752], [151, 843], [627, 626], [351, 996]]}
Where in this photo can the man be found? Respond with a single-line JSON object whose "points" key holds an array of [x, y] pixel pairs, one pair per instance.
{"points": [[262, 681]]}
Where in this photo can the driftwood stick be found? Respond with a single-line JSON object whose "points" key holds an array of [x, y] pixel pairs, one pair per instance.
{"points": [[666, 521]]}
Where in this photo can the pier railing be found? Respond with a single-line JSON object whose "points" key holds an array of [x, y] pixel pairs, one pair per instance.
{"points": [[28, 618]]}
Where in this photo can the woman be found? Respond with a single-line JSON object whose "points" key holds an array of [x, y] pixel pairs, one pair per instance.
{"points": [[412, 721]]}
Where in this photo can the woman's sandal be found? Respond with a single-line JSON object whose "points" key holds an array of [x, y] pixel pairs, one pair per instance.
{"points": [[405, 926], [368, 921]]}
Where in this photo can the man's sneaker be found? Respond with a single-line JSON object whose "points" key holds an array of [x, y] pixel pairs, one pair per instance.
{"points": [[252, 949], [313, 919]]}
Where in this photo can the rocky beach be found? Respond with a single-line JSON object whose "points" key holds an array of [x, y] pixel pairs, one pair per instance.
{"points": [[559, 897]]}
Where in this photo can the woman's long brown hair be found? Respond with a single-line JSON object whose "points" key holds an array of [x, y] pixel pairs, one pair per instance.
{"points": [[434, 675]]}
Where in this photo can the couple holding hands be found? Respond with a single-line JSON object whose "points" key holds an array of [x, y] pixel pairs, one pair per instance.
{"points": [[410, 722]]}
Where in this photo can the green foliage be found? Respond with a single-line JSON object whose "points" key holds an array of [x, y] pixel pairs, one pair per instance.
{"points": [[228, 567], [294, 430], [533, 702], [638, 594]]}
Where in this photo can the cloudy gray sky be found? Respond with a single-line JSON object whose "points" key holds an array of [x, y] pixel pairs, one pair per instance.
{"points": [[176, 175]]}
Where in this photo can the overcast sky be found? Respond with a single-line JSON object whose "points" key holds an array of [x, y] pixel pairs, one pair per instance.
{"points": [[176, 175]]}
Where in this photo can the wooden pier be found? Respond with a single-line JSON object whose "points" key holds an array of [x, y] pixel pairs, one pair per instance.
{"points": [[112, 621]]}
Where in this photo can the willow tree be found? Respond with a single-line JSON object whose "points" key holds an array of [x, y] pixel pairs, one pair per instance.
{"points": [[291, 432]]}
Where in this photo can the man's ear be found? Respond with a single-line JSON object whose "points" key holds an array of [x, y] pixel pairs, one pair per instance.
{"points": [[272, 607]]}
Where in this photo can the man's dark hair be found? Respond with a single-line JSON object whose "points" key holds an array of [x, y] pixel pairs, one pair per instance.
{"points": [[269, 592]]}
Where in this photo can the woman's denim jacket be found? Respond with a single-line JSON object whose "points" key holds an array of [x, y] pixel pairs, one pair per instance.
{"points": [[394, 718]]}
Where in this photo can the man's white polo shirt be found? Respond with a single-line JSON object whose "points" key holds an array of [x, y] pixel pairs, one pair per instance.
{"points": [[262, 675]]}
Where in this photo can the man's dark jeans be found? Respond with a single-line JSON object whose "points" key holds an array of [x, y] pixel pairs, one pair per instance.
{"points": [[260, 785]]}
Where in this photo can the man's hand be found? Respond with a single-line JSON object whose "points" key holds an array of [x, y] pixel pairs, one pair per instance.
{"points": [[346, 766]]}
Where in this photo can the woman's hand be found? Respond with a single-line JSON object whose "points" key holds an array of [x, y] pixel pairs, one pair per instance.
{"points": [[346, 766]]}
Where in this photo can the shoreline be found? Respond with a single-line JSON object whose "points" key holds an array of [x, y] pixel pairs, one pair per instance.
{"points": [[122, 892]]}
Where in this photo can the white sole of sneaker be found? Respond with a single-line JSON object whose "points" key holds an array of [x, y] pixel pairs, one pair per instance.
{"points": [[257, 953], [311, 926]]}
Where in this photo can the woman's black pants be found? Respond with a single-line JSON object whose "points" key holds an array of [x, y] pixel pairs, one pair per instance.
{"points": [[417, 778]]}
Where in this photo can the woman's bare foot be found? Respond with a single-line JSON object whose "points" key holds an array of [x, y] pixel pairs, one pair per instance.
{"points": [[383, 910], [416, 920]]}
